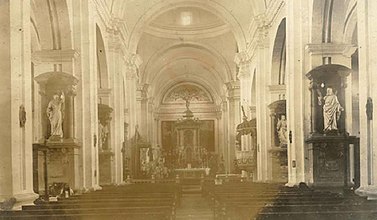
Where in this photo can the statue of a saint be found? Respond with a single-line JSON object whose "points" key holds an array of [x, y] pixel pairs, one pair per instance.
{"points": [[55, 114], [187, 103], [100, 134], [281, 128], [331, 110], [103, 133]]}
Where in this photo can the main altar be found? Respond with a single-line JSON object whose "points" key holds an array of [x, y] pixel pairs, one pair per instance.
{"points": [[187, 155]]}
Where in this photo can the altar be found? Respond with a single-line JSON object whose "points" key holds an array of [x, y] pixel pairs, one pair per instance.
{"points": [[191, 173]]}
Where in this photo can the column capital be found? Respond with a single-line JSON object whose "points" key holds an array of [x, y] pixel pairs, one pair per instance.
{"points": [[142, 92], [233, 85], [233, 88], [133, 63], [243, 60]]}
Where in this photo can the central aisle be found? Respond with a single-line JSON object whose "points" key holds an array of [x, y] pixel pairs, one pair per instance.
{"points": [[194, 207]]}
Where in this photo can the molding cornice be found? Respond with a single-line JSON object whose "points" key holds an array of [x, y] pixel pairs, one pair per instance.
{"points": [[330, 49], [188, 34], [277, 88], [54, 56], [233, 85], [115, 26], [233, 88], [260, 26], [102, 92]]}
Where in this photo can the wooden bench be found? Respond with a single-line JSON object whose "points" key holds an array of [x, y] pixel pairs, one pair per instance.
{"points": [[240, 201], [124, 202]]}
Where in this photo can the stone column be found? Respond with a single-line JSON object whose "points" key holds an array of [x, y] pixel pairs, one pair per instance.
{"points": [[117, 65], [367, 33], [132, 65], [131, 72], [234, 118], [85, 69], [142, 109], [245, 75], [16, 167], [262, 64], [223, 134], [297, 91]]}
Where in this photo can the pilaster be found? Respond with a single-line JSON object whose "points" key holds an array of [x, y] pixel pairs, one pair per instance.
{"points": [[367, 33], [234, 112], [16, 165], [297, 93]]}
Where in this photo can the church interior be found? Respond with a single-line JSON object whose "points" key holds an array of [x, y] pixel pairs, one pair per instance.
{"points": [[188, 109]]}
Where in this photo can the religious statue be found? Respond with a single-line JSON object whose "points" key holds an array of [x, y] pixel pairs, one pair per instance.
{"points": [[102, 136], [281, 128], [331, 109], [55, 114], [187, 103]]}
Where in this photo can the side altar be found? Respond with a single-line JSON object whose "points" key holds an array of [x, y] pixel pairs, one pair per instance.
{"points": [[333, 156], [55, 155]]}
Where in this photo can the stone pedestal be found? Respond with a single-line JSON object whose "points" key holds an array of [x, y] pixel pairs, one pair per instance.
{"points": [[105, 167], [60, 162], [329, 159], [279, 164]]}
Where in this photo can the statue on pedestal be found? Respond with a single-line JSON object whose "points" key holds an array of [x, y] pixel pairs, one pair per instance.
{"points": [[55, 114], [331, 109], [103, 133], [281, 128]]}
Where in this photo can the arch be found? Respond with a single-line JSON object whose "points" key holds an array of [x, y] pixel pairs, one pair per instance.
{"points": [[212, 79], [163, 89], [161, 7], [51, 22], [328, 18], [279, 55], [102, 71], [170, 64], [176, 46], [253, 92], [350, 23], [206, 95]]}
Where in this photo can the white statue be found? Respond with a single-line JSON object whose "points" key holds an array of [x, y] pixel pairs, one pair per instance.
{"points": [[55, 115], [103, 133], [282, 130], [331, 110]]}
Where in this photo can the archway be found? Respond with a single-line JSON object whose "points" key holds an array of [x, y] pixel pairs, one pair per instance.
{"points": [[278, 113], [105, 152], [188, 127]]}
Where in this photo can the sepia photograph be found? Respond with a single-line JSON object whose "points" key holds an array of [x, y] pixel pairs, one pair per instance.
{"points": [[188, 110]]}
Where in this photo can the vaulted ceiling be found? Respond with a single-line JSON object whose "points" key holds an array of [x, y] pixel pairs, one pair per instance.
{"points": [[187, 40]]}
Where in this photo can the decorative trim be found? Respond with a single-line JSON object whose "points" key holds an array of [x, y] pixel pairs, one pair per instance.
{"points": [[277, 88], [189, 34], [329, 49], [187, 87], [260, 26], [54, 56], [104, 92]]}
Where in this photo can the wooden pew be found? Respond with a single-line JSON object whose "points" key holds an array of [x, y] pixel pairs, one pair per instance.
{"points": [[242, 201], [124, 202]]}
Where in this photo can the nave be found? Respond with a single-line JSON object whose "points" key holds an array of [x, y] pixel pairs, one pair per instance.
{"points": [[225, 199], [140, 109]]}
